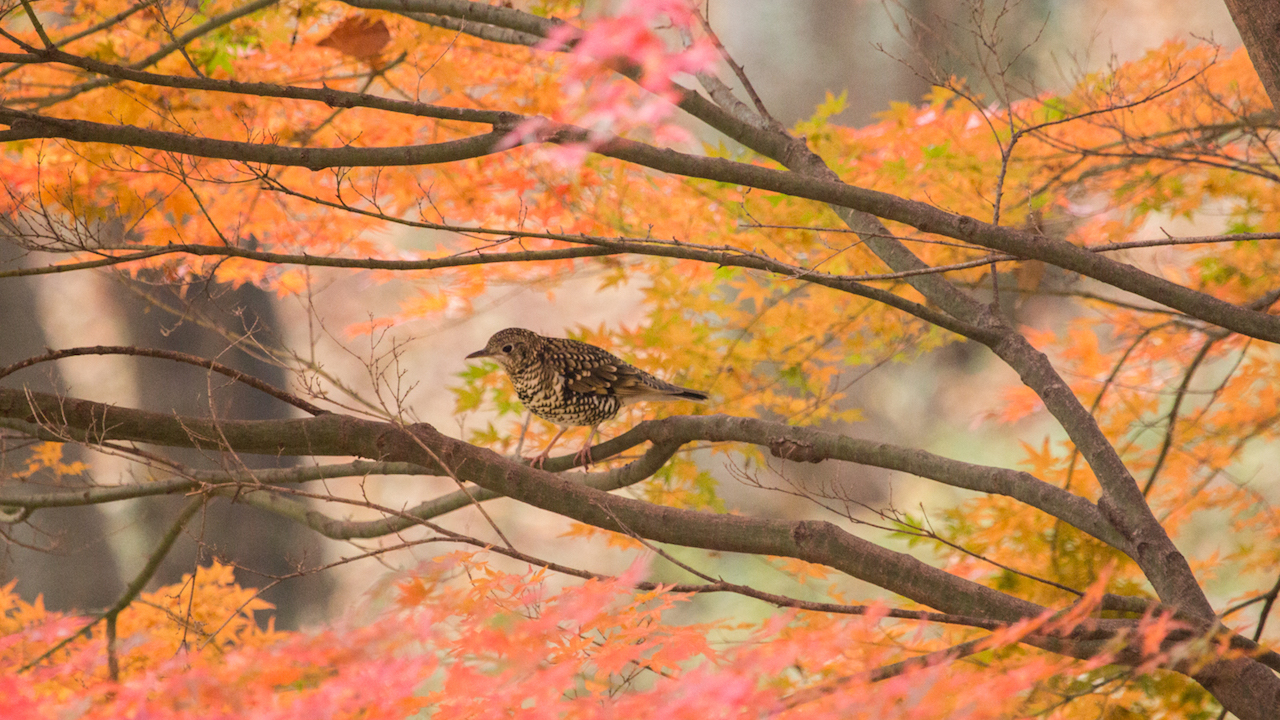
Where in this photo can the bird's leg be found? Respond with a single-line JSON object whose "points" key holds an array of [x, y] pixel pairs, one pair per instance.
{"points": [[524, 430], [541, 458], [583, 457]]}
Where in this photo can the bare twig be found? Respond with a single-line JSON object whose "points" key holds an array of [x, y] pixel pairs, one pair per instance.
{"points": [[175, 356], [135, 587]]}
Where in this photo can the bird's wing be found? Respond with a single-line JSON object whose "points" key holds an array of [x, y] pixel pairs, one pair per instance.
{"points": [[589, 370]]}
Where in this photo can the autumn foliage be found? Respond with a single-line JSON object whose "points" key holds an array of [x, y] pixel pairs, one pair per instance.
{"points": [[500, 641], [287, 145]]}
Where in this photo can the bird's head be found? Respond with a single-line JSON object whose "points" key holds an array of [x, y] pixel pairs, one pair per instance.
{"points": [[510, 347]]}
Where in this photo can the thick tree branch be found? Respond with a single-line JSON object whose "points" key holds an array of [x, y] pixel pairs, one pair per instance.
{"points": [[802, 444], [25, 125], [930, 219], [668, 435], [812, 541], [495, 15]]}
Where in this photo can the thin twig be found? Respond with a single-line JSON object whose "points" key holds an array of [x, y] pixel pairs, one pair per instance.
{"points": [[35, 22], [175, 356], [738, 71], [135, 588], [1178, 397], [884, 672]]}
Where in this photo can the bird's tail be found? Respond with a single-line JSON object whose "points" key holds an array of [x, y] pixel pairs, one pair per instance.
{"points": [[684, 393], [655, 389]]}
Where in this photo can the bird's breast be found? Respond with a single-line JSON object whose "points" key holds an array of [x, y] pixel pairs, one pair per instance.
{"points": [[550, 396]]}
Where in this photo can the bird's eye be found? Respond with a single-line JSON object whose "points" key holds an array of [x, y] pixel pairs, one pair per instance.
{"points": [[507, 348]]}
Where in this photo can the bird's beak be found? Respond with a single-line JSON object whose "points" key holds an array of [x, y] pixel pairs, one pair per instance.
{"points": [[479, 354]]}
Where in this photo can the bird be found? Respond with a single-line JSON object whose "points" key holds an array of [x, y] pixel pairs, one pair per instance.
{"points": [[573, 384]]}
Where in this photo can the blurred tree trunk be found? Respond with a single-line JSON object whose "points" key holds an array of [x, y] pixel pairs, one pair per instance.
{"points": [[1259, 24], [80, 558], [229, 531]]}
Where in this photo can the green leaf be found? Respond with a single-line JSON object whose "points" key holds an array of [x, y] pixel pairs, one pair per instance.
{"points": [[725, 274]]}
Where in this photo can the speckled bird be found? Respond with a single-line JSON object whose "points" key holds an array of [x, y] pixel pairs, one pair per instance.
{"points": [[573, 384]]}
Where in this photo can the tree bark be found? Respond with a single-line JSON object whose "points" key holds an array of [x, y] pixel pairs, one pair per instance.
{"points": [[1259, 24]]}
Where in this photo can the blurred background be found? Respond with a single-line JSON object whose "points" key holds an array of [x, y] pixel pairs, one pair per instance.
{"points": [[796, 52]]}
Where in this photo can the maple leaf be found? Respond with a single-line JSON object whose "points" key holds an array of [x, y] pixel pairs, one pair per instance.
{"points": [[358, 36]]}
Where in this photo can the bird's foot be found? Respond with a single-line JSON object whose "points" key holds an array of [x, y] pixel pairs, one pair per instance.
{"points": [[537, 461], [583, 457]]}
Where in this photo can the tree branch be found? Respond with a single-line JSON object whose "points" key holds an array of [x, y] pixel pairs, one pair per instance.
{"points": [[193, 480], [463, 260], [26, 125], [812, 541], [916, 214], [328, 96], [175, 356]]}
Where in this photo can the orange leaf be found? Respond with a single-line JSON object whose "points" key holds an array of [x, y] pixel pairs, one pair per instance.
{"points": [[358, 36]]}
